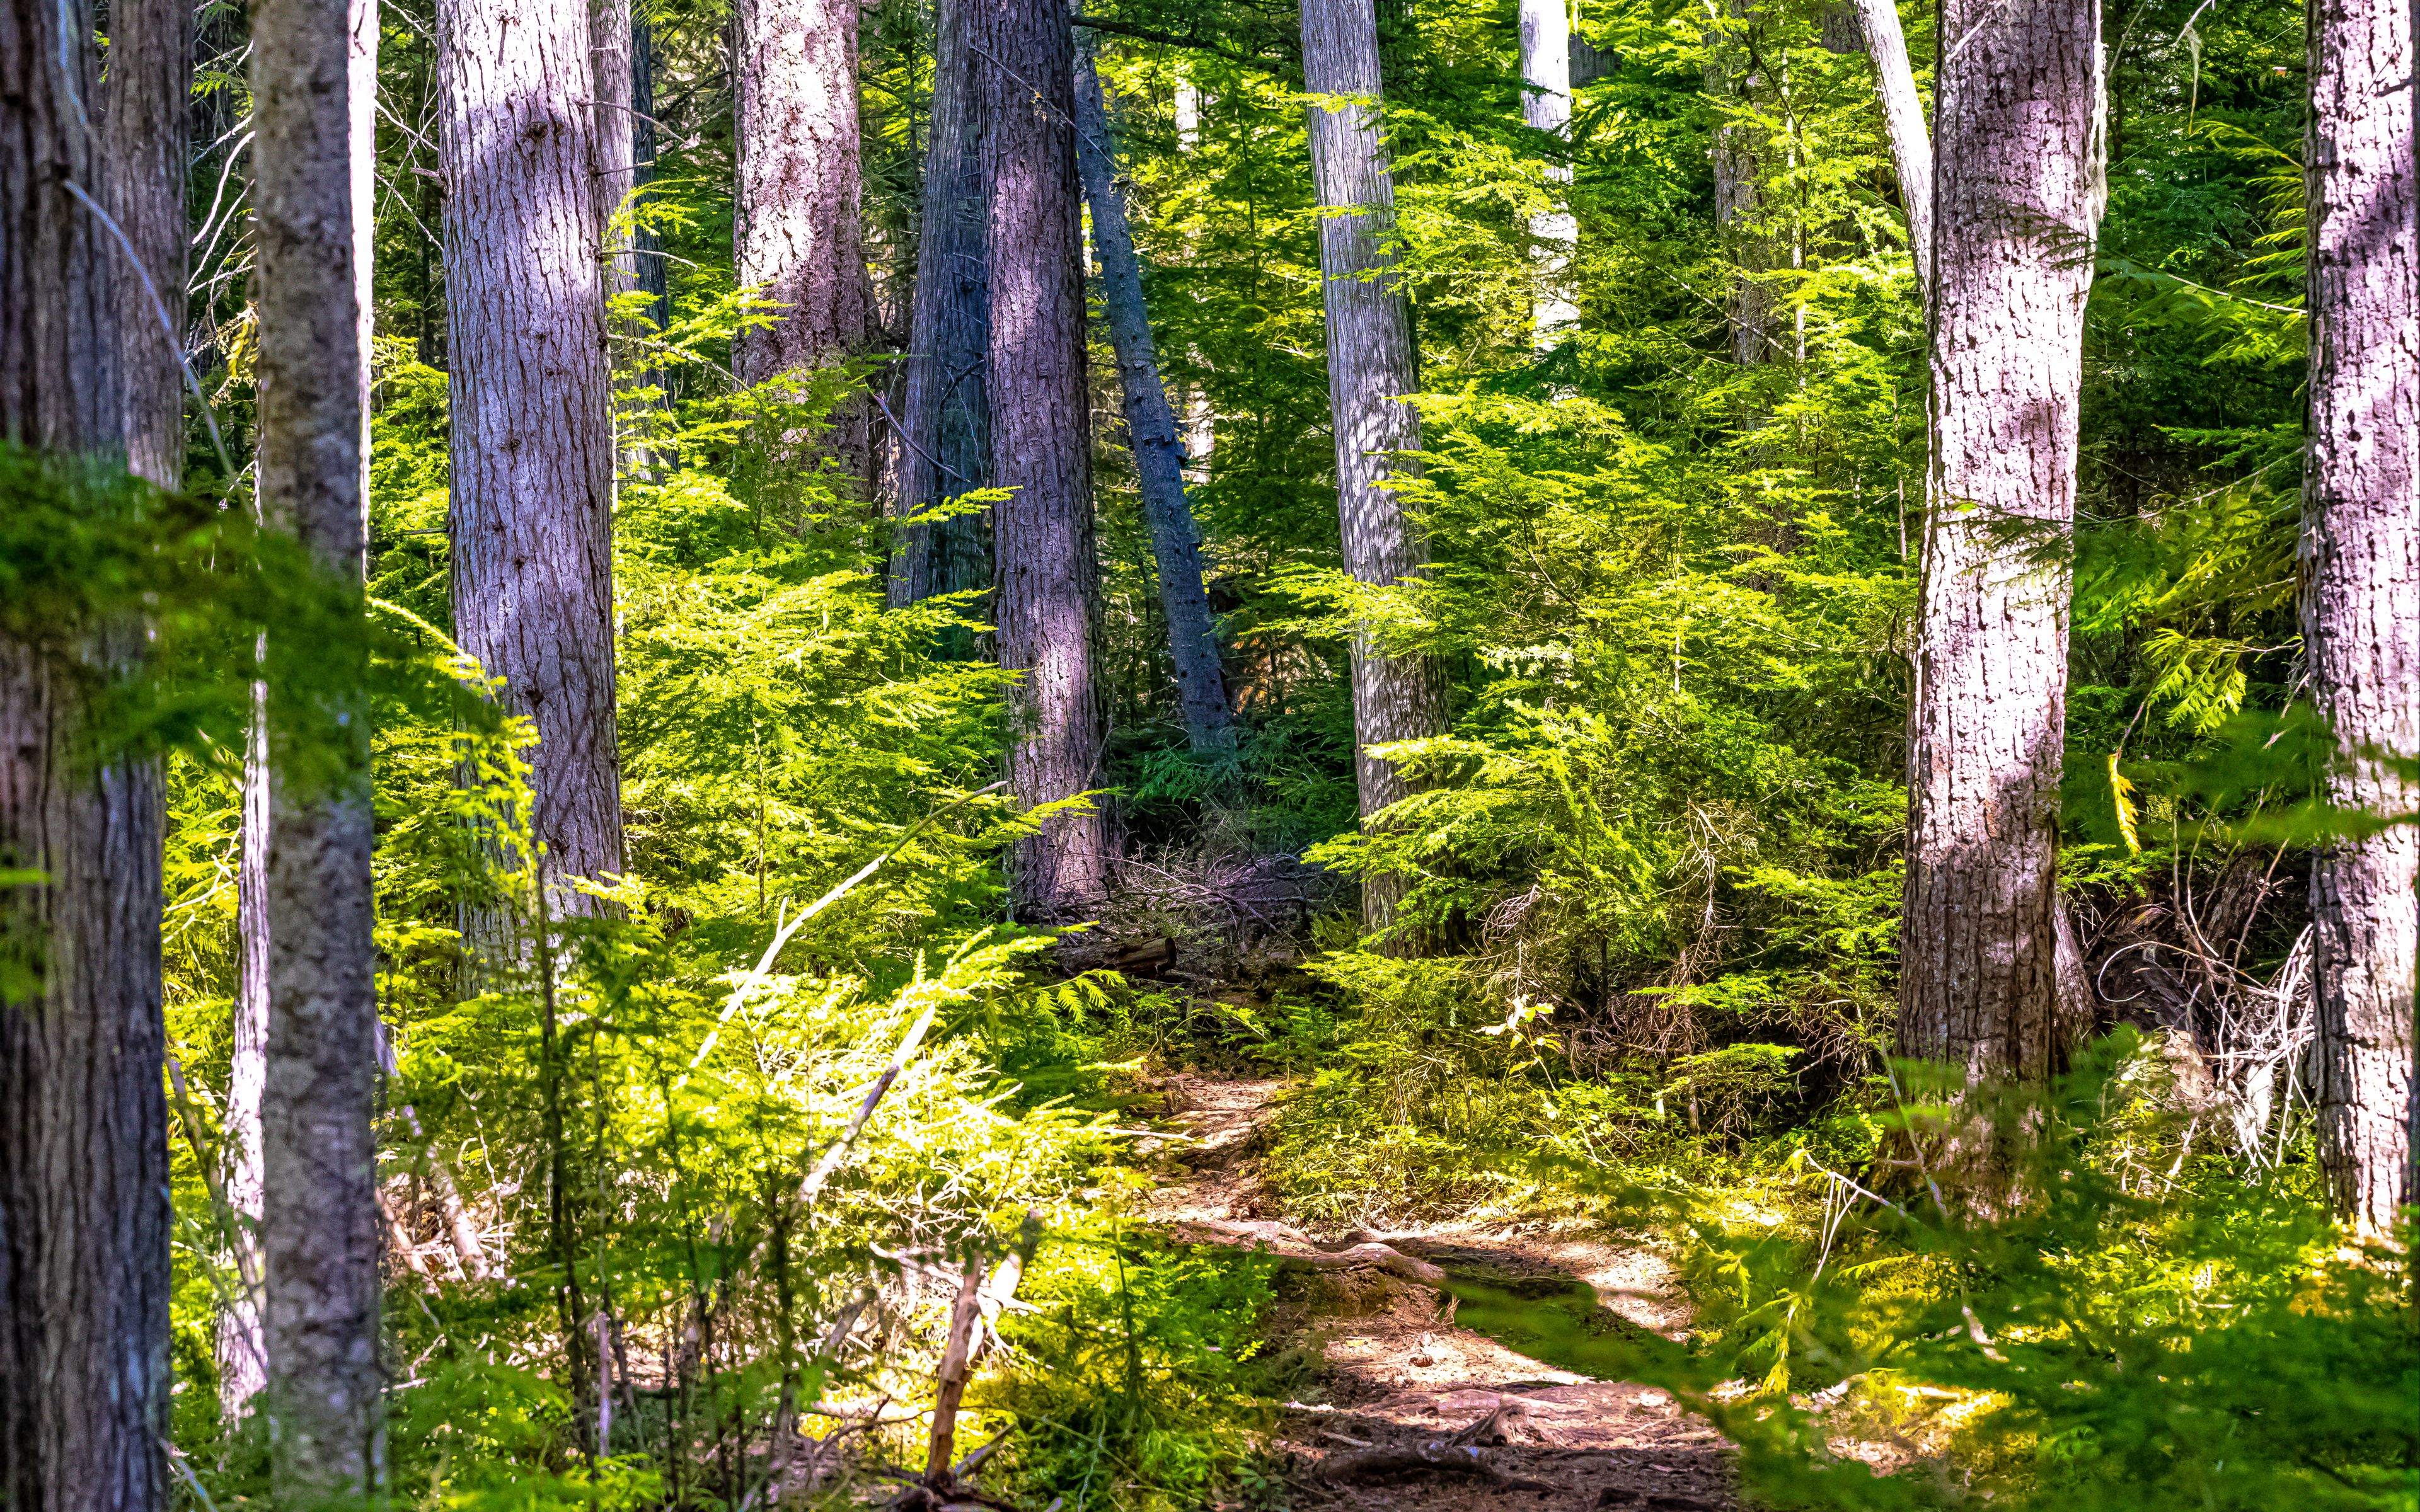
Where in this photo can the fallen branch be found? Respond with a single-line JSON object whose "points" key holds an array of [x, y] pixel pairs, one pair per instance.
{"points": [[1434, 1458], [1295, 1248]]}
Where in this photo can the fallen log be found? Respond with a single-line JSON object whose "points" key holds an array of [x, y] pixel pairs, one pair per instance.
{"points": [[1296, 1248]]}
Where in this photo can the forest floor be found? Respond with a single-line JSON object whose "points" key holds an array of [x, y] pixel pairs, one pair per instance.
{"points": [[1398, 1405]]}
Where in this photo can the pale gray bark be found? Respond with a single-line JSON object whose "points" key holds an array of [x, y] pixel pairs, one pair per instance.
{"points": [[532, 398], [84, 1148], [1910, 147], [2017, 209], [242, 1351], [1547, 68], [1371, 371], [1151, 428], [1046, 578], [144, 133], [2360, 584]]}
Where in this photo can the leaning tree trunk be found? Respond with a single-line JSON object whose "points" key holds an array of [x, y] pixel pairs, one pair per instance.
{"points": [[83, 1146], [533, 436], [1547, 68], [798, 233], [144, 135], [1370, 373], [1911, 149], [1150, 427], [944, 417], [319, 1158], [2018, 204], [2360, 584], [1048, 581]]}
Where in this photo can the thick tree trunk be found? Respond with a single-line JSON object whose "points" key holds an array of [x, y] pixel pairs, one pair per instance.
{"points": [[320, 1224], [144, 133], [1150, 427], [1911, 147], [1547, 68], [946, 445], [2018, 205], [1048, 583], [532, 388], [2361, 583], [83, 1147], [799, 231], [1371, 369]]}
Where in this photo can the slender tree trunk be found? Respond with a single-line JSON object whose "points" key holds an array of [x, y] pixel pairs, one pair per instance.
{"points": [[945, 417], [1150, 427], [1911, 147], [2361, 583], [1547, 68], [1371, 369], [799, 228], [2017, 208], [532, 389], [243, 1350], [1046, 601], [144, 135], [84, 1139], [648, 242], [1735, 160]]}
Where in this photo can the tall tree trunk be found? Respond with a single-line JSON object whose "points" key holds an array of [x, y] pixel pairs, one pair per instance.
{"points": [[1151, 428], [320, 1224], [242, 1351], [1370, 370], [2361, 583], [648, 242], [946, 440], [1911, 149], [1046, 601], [83, 1147], [2017, 209], [1547, 68], [532, 388], [1736, 149], [798, 229], [144, 135]]}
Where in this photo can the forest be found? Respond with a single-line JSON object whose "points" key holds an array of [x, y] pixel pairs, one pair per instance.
{"points": [[1246, 755]]}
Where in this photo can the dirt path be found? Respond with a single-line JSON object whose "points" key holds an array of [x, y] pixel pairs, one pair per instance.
{"points": [[1396, 1404]]}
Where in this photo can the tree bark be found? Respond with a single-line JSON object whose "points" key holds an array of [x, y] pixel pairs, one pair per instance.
{"points": [[1371, 369], [2360, 584], [84, 1148], [2017, 209], [243, 1350], [648, 241], [144, 133], [1048, 583], [1910, 147], [799, 231], [945, 418], [533, 440], [1547, 68], [1735, 162], [1150, 429]]}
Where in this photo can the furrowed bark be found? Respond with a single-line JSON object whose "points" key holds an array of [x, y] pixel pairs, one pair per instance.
{"points": [[2017, 208], [83, 1153], [1910, 147], [1048, 582], [2361, 585], [1150, 429], [1371, 368], [144, 135], [1547, 68], [647, 242]]}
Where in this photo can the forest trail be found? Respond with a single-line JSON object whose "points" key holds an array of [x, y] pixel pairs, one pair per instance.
{"points": [[1395, 1403]]}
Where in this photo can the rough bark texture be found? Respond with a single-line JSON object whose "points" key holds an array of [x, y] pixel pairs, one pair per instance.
{"points": [[1371, 368], [532, 388], [1047, 582], [1150, 427], [1911, 147], [84, 1151], [1729, 79], [799, 232], [946, 445], [1547, 68], [2017, 208], [144, 133], [2361, 583], [652, 268]]}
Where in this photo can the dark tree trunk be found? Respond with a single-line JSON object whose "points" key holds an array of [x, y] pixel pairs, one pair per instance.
{"points": [[532, 388], [144, 135], [1737, 146], [946, 445], [2017, 209], [84, 1148], [1048, 582], [1150, 427], [649, 243], [2360, 584], [1371, 369]]}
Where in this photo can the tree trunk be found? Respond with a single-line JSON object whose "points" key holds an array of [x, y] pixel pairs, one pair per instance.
{"points": [[532, 389], [1371, 369], [946, 443], [1046, 601], [242, 1351], [144, 135], [1547, 68], [2360, 584], [83, 1138], [648, 243], [1150, 427], [798, 230], [1911, 149], [2018, 206]]}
